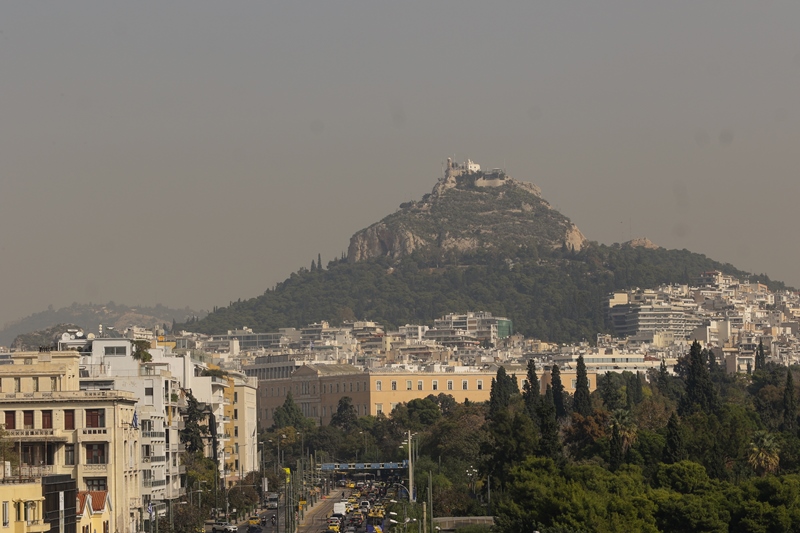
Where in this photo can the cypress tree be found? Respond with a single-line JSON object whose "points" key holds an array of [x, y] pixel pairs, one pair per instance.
{"points": [[700, 392], [611, 396], [530, 391], [549, 444], [761, 359], [789, 403], [674, 450], [582, 403], [313, 266], [319, 261], [615, 452], [663, 378], [636, 389], [558, 391], [500, 395]]}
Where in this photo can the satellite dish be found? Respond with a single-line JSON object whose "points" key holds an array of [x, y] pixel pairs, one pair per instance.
{"points": [[72, 337], [79, 334], [65, 336], [90, 336]]}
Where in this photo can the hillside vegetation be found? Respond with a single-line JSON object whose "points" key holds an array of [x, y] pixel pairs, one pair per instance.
{"points": [[556, 295]]}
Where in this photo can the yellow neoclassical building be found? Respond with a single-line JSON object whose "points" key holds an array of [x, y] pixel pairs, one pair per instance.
{"points": [[317, 388], [56, 428]]}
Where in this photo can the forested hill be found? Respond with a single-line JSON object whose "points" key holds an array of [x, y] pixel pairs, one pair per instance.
{"points": [[556, 295]]}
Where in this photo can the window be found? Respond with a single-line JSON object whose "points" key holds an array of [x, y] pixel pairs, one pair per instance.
{"points": [[235, 431], [148, 391], [378, 408], [235, 397], [377, 385], [236, 414], [5, 514], [69, 419], [11, 420], [16, 384], [358, 386], [394, 385], [115, 350], [408, 384], [53, 383], [435, 385], [351, 386], [69, 454], [464, 385], [96, 483], [419, 385], [574, 384], [449, 384], [47, 419], [96, 454], [95, 418], [480, 384], [35, 384]]}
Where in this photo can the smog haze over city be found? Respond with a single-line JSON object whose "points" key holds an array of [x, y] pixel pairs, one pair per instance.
{"points": [[192, 153]]}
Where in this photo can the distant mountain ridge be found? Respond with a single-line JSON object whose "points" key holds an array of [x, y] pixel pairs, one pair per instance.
{"points": [[480, 241], [467, 210], [90, 316]]}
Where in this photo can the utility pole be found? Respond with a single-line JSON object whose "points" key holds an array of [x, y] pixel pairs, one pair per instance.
{"points": [[411, 498]]}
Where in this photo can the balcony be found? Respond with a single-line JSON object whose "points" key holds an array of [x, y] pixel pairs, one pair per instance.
{"points": [[158, 458], [153, 434], [96, 468], [158, 483], [219, 381], [34, 435], [36, 526], [31, 471], [94, 433]]}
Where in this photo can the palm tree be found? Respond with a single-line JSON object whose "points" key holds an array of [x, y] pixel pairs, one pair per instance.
{"points": [[764, 453], [623, 421]]}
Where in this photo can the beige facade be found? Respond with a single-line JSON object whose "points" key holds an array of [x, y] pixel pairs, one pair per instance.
{"points": [[317, 389], [58, 429], [22, 507]]}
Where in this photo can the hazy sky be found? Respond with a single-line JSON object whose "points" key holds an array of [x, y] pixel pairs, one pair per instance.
{"points": [[192, 153]]}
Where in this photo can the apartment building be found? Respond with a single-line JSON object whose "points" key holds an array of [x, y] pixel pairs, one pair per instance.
{"points": [[57, 428]]}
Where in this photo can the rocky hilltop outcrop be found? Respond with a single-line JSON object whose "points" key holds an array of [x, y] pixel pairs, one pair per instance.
{"points": [[468, 209]]}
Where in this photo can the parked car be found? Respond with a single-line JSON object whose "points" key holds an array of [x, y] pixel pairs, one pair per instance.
{"points": [[223, 527]]}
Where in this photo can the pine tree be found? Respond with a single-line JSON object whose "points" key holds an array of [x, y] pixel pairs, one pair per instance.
{"points": [[674, 449], [582, 403], [761, 359], [558, 391], [530, 391], [313, 266], [789, 403], [700, 392], [549, 443]]}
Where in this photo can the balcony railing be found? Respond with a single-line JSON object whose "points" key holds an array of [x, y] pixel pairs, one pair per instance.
{"points": [[95, 467], [31, 471], [16, 433], [159, 482], [154, 434], [158, 458], [94, 431]]}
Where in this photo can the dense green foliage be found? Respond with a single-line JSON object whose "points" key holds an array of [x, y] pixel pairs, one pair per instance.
{"points": [[655, 462], [556, 295]]}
